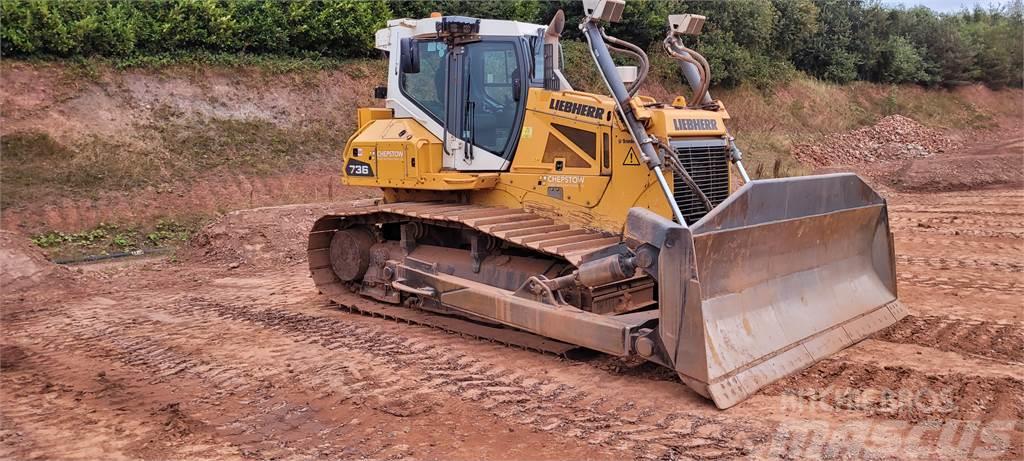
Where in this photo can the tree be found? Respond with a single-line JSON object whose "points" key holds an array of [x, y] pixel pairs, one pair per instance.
{"points": [[512, 10], [795, 24], [901, 63], [828, 54]]}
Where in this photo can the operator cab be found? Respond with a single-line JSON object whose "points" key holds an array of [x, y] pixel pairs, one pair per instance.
{"points": [[466, 80]]}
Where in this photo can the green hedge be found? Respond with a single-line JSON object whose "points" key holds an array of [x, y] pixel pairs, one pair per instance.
{"points": [[746, 41], [121, 28]]}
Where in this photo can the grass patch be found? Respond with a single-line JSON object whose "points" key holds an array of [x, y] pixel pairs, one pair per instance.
{"points": [[34, 161], [108, 239], [35, 165], [767, 155], [243, 146], [805, 109], [270, 63]]}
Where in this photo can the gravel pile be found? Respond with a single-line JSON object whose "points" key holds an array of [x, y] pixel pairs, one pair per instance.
{"points": [[893, 138]]}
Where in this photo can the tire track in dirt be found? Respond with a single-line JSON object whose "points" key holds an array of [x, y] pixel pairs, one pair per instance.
{"points": [[965, 244], [413, 369], [146, 346], [967, 232], [16, 441], [971, 200], [272, 426], [904, 221], [958, 263], [25, 315], [572, 430], [540, 402], [902, 393], [963, 284], [84, 413], [915, 209], [991, 340], [171, 338]]}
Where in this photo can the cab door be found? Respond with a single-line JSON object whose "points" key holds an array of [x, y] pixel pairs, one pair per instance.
{"points": [[486, 102]]}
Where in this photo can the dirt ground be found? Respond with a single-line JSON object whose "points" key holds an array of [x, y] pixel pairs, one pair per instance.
{"points": [[227, 352]]}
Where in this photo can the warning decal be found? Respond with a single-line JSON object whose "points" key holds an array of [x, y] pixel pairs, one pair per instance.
{"points": [[631, 158]]}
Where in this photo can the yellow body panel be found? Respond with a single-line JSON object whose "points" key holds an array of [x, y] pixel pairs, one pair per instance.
{"points": [[574, 159], [402, 154]]}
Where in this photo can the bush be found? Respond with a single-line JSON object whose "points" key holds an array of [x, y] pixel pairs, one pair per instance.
{"points": [[751, 41], [901, 63], [342, 28], [512, 10]]}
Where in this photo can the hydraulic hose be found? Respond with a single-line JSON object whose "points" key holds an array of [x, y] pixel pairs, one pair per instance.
{"points": [[677, 50], [635, 86], [623, 46], [677, 168], [602, 57]]}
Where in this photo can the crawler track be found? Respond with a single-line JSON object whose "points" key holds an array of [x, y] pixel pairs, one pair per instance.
{"points": [[506, 336]]}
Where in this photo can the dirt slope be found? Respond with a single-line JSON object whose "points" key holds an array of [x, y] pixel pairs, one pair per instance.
{"points": [[997, 164], [261, 237], [130, 147], [900, 153], [88, 145], [23, 265]]}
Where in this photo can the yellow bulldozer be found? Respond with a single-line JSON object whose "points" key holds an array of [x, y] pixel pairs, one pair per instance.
{"points": [[615, 223]]}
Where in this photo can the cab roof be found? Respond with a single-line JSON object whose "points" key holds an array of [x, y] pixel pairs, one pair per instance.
{"points": [[427, 28]]}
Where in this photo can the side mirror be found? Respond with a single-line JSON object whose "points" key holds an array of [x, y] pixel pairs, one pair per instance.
{"points": [[409, 56]]}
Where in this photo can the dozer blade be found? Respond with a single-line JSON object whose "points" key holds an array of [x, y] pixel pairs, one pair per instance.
{"points": [[789, 271]]}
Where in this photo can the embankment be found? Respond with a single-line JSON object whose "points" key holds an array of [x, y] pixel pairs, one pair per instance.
{"points": [[97, 145]]}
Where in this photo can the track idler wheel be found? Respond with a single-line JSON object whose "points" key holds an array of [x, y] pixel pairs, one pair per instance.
{"points": [[350, 252]]}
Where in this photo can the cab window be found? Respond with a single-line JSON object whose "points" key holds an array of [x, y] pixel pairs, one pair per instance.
{"points": [[537, 45], [426, 88]]}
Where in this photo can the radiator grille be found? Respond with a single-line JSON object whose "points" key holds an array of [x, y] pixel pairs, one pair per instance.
{"points": [[708, 164]]}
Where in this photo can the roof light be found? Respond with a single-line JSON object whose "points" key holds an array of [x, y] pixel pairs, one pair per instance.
{"points": [[458, 26]]}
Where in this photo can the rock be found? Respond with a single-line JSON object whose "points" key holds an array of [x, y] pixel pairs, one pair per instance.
{"points": [[892, 138]]}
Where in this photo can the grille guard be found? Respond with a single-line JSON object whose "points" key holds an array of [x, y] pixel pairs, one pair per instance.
{"points": [[707, 162]]}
